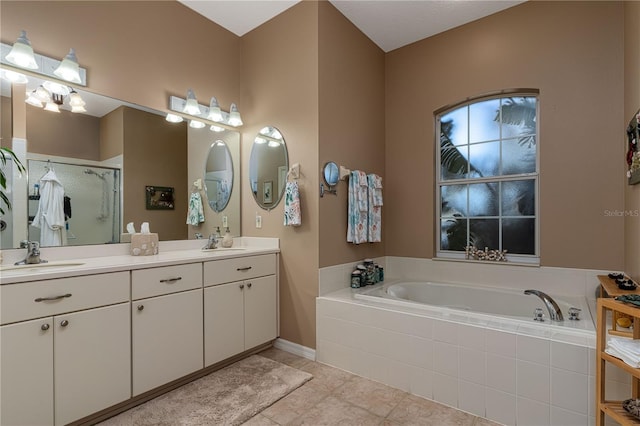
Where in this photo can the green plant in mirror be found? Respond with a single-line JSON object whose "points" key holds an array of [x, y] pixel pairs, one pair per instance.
{"points": [[7, 154]]}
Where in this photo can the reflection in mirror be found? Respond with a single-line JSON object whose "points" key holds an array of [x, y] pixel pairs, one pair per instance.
{"points": [[113, 138], [330, 173], [218, 176], [268, 166]]}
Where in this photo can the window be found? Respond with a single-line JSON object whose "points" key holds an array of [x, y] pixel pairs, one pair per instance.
{"points": [[487, 177]]}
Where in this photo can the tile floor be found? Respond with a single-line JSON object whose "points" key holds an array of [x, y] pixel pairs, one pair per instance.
{"points": [[336, 397]]}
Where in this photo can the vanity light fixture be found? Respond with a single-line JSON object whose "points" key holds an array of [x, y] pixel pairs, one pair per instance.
{"points": [[76, 102], [191, 107], [234, 116], [53, 100], [172, 118], [22, 53], [69, 69], [212, 115], [32, 99]]}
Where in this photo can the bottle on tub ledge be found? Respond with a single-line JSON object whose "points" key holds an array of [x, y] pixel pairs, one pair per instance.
{"points": [[227, 240], [366, 273]]}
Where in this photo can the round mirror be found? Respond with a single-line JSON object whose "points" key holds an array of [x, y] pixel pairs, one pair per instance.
{"points": [[330, 173], [218, 176], [268, 166]]}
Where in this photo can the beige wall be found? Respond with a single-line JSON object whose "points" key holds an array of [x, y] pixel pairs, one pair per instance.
{"points": [[64, 134], [631, 105], [280, 88], [163, 165], [572, 52], [351, 96]]}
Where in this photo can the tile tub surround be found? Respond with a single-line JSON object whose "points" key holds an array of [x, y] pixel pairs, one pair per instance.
{"points": [[421, 358], [503, 375]]}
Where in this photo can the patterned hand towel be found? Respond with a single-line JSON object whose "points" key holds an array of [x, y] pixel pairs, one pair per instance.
{"points": [[292, 214], [356, 216], [374, 219], [195, 215]]}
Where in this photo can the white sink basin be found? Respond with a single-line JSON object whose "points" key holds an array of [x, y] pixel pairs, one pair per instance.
{"points": [[40, 266], [224, 249]]}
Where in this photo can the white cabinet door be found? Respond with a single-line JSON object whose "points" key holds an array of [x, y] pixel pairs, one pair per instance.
{"points": [[167, 339], [260, 311], [92, 361], [223, 322], [26, 373]]}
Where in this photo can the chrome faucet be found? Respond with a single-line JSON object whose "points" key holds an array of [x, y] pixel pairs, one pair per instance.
{"points": [[212, 242], [554, 310], [33, 253]]}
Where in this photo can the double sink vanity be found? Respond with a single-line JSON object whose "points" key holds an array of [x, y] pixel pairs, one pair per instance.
{"points": [[85, 337]]}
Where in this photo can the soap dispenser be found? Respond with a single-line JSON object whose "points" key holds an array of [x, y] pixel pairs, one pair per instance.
{"points": [[218, 234], [227, 240]]}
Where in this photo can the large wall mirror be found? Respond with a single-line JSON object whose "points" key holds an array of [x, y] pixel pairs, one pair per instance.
{"points": [[268, 167], [104, 159], [218, 176]]}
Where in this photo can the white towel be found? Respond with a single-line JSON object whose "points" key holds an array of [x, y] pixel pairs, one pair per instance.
{"points": [[374, 218], [292, 214], [627, 350], [356, 216], [50, 215], [195, 214]]}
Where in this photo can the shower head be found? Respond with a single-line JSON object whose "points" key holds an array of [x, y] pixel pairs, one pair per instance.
{"points": [[92, 172]]}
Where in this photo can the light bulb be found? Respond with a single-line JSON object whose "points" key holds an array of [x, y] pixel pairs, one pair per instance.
{"points": [[69, 69], [53, 107], [196, 124], [234, 116], [78, 108], [172, 118], [32, 99], [215, 114], [216, 129], [75, 100]]}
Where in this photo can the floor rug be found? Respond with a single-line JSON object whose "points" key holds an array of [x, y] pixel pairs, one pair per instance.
{"points": [[229, 396]]}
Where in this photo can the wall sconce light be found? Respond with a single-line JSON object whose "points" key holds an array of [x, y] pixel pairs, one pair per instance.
{"points": [[217, 119], [22, 53]]}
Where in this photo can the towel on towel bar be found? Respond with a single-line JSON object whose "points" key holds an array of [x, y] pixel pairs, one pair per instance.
{"points": [[292, 214], [195, 215], [374, 219], [357, 213]]}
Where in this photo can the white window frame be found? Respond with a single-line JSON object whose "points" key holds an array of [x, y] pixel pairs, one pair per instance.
{"points": [[525, 259]]}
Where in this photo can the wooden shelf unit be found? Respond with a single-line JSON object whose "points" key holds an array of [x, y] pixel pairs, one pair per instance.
{"points": [[614, 408]]}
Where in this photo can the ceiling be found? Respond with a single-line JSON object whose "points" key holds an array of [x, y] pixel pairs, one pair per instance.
{"points": [[388, 23]]}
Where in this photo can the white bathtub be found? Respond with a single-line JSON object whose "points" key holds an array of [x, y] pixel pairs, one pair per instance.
{"points": [[481, 302]]}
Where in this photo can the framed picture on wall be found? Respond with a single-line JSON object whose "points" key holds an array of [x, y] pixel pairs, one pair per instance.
{"points": [[267, 192], [159, 198]]}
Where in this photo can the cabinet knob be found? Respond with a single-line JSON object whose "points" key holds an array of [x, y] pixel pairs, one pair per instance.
{"points": [[44, 327], [249, 285], [241, 286], [64, 323], [141, 307]]}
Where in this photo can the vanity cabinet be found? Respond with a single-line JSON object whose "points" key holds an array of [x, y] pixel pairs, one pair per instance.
{"points": [[166, 325], [240, 306], [51, 366]]}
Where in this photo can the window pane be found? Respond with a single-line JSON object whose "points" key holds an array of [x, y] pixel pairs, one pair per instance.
{"points": [[483, 199], [453, 234], [454, 201], [454, 125], [518, 236], [484, 159], [518, 198], [453, 161], [518, 157], [483, 125], [518, 117], [484, 233]]}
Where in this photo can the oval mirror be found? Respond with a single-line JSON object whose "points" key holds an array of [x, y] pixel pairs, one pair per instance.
{"points": [[268, 166], [218, 176], [330, 173]]}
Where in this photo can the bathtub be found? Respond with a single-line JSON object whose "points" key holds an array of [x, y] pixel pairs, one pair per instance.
{"points": [[478, 301]]}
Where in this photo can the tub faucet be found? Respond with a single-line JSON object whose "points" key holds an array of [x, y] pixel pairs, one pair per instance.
{"points": [[554, 310], [33, 253]]}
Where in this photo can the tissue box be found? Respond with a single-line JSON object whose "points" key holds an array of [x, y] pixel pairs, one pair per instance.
{"points": [[144, 244]]}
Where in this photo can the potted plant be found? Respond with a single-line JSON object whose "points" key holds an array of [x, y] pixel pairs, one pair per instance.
{"points": [[7, 154]]}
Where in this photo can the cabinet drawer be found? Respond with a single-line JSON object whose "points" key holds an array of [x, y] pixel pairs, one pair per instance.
{"points": [[165, 280], [36, 299], [241, 268]]}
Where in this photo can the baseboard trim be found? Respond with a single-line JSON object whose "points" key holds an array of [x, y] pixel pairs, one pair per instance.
{"points": [[295, 349]]}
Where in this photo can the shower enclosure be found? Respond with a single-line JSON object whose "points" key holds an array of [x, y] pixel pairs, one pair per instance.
{"points": [[91, 203]]}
